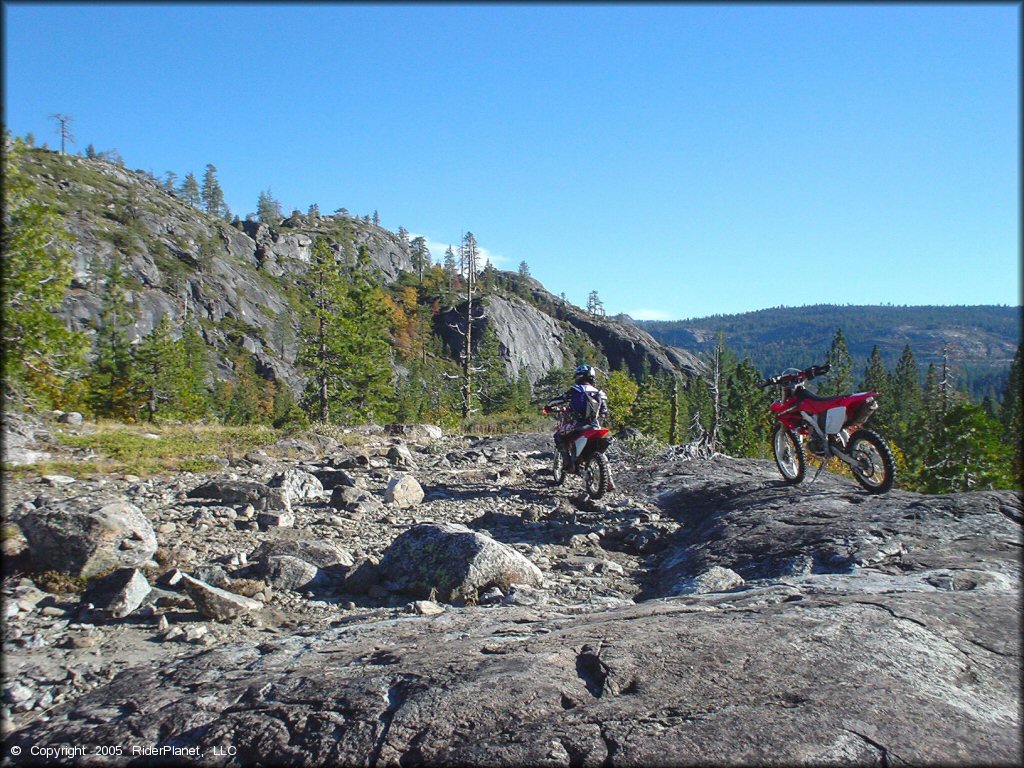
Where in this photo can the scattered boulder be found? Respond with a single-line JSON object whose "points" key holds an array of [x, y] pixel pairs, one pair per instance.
{"points": [[403, 491], [715, 579], [417, 433], [322, 554], [299, 486], [215, 603], [118, 593], [331, 478], [86, 540], [400, 456], [355, 500], [232, 492], [287, 572], [275, 519], [72, 419], [453, 561], [361, 577]]}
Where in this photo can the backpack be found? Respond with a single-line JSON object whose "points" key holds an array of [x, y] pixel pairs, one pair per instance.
{"points": [[586, 402]]}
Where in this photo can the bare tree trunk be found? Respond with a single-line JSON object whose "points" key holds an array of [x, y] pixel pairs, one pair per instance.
{"points": [[716, 397], [672, 435]]}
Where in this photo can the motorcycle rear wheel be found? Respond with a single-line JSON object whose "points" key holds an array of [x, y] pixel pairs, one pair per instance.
{"points": [[875, 469], [595, 475], [789, 454], [558, 468]]}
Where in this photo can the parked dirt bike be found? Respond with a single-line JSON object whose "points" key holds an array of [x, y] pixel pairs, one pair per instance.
{"points": [[591, 464], [827, 427]]}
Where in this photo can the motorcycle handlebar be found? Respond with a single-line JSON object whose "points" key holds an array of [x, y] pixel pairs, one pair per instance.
{"points": [[808, 374]]}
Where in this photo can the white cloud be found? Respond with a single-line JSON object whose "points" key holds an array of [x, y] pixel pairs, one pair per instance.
{"points": [[437, 251], [648, 314]]}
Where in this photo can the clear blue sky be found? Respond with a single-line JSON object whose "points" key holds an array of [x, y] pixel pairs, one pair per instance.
{"points": [[681, 160]]}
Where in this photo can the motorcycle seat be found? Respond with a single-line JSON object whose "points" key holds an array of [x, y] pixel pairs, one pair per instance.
{"points": [[803, 394]]}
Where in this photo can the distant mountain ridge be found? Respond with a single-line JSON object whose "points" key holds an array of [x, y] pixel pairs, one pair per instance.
{"points": [[980, 340]]}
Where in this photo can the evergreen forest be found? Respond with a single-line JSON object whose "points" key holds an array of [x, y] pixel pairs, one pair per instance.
{"points": [[375, 352]]}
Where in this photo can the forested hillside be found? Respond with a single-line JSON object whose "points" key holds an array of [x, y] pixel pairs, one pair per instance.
{"points": [[979, 341], [131, 298]]}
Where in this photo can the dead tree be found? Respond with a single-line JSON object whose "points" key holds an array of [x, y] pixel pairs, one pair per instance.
{"points": [[65, 132], [468, 255]]}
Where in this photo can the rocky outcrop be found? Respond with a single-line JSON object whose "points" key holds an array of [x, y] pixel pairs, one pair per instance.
{"points": [[704, 613], [534, 341], [176, 259], [82, 538], [454, 562]]}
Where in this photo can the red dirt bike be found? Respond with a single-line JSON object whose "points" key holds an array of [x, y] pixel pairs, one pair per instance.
{"points": [[827, 427], [588, 446]]}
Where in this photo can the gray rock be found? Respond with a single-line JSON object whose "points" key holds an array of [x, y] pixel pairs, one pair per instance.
{"points": [[417, 433], [232, 492], [119, 593], [361, 577], [286, 572], [355, 500], [275, 519], [322, 554], [84, 539], [453, 561], [217, 604], [331, 478], [667, 682], [403, 491], [299, 486], [73, 418], [277, 500], [400, 456], [715, 579]]}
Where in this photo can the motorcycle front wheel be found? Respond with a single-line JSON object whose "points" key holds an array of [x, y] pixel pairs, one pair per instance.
{"points": [[595, 475], [558, 468], [789, 454], [875, 468]]}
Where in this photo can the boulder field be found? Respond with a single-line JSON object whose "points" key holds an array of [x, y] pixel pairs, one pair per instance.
{"points": [[422, 599]]}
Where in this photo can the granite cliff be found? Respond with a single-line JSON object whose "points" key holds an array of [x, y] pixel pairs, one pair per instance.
{"points": [[242, 279]]}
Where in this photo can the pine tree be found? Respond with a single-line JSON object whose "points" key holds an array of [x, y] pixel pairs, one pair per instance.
{"points": [[967, 453], [876, 379], [212, 195], [906, 395], [839, 379], [651, 412], [161, 368], [192, 392], [450, 269], [747, 421], [268, 210], [595, 306], [524, 269], [113, 383], [41, 358], [1011, 413], [323, 350], [468, 254], [369, 373], [420, 257], [492, 389], [189, 191]]}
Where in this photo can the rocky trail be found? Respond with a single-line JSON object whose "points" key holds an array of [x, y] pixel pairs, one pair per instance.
{"points": [[414, 598]]}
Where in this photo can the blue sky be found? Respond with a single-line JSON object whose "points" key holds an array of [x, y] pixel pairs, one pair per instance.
{"points": [[681, 160]]}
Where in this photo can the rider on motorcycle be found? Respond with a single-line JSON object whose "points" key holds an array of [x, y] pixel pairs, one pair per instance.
{"points": [[586, 402]]}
